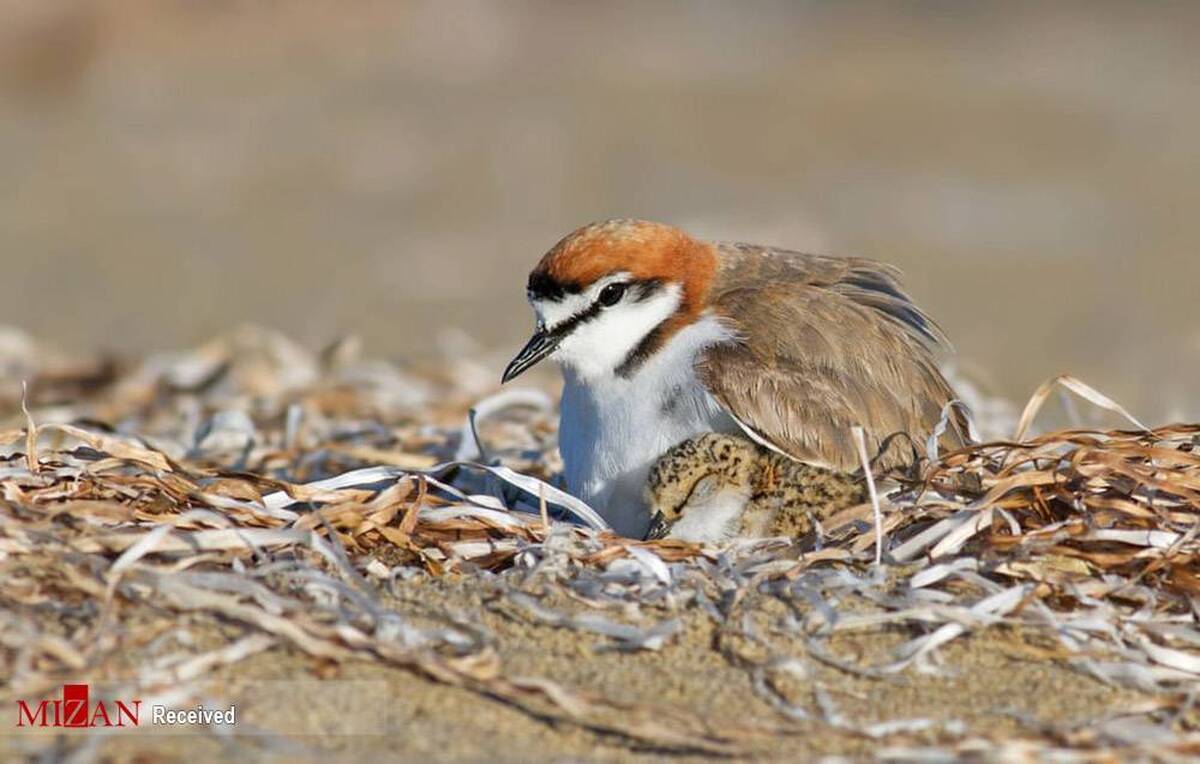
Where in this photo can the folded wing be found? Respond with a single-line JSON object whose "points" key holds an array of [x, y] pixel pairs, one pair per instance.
{"points": [[825, 344]]}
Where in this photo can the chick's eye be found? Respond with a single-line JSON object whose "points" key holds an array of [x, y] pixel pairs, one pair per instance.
{"points": [[612, 294]]}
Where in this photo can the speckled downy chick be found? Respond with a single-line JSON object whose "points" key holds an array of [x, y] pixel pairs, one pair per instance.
{"points": [[715, 488]]}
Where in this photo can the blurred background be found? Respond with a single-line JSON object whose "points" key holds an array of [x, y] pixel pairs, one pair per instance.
{"points": [[393, 169]]}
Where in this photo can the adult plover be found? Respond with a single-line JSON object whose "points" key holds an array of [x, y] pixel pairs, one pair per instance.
{"points": [[662, 337]]}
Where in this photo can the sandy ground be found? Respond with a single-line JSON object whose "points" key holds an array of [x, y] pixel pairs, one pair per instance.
{"points": [[997, 686], [632, 650]]}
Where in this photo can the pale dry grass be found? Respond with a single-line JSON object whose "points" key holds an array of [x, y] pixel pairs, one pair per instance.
{"points": [[284, 492]]}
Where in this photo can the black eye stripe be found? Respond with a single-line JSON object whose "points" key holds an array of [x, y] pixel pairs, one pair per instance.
{"points": [[568, 326], [640, 291]]}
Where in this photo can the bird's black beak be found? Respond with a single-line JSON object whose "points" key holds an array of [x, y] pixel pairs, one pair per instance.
{"points": [[658, 527], [540, 345]]}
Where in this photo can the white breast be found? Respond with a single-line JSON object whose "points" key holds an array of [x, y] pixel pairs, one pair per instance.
{"points": [[612, 429]]}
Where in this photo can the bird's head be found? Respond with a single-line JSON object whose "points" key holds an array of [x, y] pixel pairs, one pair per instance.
{"points": [[609, 294], [689, 477]]}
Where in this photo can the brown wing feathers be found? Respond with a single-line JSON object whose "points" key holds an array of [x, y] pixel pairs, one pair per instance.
{"points": [[835, 343]]}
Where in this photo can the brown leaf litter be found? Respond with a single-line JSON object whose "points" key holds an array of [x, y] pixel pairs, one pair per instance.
{"points": [[296, 496]]}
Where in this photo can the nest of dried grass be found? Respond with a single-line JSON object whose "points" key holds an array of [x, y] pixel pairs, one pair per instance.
{"points": [[244, 479]]}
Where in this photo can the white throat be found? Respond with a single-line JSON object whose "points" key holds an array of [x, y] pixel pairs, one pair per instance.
{"points": [[613, 428]]}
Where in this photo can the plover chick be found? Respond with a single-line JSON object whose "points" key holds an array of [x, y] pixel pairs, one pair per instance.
{"points": [[715, 488]]}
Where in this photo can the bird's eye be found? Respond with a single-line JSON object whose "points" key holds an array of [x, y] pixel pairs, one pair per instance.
{"points": [[612, 294]]}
